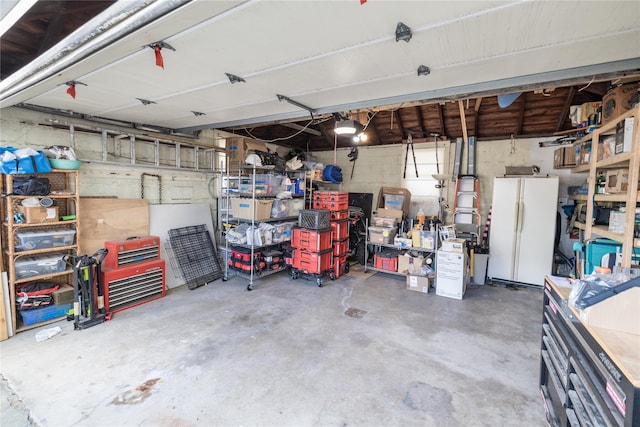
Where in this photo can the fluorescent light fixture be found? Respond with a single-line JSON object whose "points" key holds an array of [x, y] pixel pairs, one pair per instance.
{"points": [[348, 127]]}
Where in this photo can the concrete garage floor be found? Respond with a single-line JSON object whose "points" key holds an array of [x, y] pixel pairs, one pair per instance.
{"points": [[286, 354]]}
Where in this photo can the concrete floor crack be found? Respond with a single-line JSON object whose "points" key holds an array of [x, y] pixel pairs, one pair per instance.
{"points": [[15, 402]]}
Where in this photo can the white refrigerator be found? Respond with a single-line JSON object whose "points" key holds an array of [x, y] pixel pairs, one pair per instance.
{"points": [[523, 227]]}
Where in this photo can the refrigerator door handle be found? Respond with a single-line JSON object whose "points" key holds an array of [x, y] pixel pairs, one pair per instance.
{"points": [[516, 215], [520, 216]]}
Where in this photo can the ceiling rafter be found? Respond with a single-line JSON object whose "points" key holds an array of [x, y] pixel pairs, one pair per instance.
{"points": [[443, 130], [400, 122], [522, 105], [565, 109]]}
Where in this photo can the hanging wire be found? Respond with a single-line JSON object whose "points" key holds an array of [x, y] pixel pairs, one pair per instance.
{"points": [[284, 138], [588, 84]]}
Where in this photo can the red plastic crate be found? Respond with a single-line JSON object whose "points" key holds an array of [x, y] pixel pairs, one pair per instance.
{"points": [[340, 247], [340, 265], [331, 196], [382, 263], [331, 205], [312, 262], [338, 215], [311, 240], [339, 230]]}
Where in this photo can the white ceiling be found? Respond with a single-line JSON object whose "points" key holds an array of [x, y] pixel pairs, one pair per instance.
{"points": [[328, 55]]}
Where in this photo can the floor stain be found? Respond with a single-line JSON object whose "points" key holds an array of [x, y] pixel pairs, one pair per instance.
{"points": [[433, 401], [137, 395], [356, 313]]}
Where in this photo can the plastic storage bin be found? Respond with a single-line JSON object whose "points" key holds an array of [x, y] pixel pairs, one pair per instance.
{"points": [[314, 219], [282, 231], [280, 208], [295, 206], [382, 235], [30, 266], [29, 240], [31, 317]]}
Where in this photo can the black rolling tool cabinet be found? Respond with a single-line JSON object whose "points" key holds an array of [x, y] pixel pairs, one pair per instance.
{"points": [[589, 376]]}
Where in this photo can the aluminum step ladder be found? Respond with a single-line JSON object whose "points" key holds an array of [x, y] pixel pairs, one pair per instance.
{"points": [[466, 207]]}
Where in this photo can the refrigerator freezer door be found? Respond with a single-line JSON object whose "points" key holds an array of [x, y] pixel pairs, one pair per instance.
{"points": [[534, 258], [504, 228]]}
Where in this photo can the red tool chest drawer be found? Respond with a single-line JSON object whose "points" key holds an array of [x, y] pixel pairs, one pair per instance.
{"points": [[311, 240], [340, 247], [339, 230], [313, 262]]}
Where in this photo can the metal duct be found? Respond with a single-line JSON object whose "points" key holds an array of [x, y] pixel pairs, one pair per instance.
{"points": [[111, 25]]}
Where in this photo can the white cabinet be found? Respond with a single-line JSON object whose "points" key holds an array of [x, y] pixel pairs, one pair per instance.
{"points": [[522, 238]]}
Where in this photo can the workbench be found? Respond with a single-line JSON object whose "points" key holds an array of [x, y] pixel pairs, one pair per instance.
{"points": [[590, 374]]}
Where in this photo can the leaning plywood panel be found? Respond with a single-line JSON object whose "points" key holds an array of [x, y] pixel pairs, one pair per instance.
{"points": [[111, 219]]}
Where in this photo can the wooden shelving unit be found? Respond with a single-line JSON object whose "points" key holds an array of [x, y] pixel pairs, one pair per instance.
{"points": [[627, 160], [65, 195]]}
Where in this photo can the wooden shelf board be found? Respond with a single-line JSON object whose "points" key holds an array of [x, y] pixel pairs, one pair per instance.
{"points": [[581, 168], [604, 232], [616, 161]]}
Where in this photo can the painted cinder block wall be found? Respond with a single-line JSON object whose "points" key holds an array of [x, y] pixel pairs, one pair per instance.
{"points": [[24, 128]]}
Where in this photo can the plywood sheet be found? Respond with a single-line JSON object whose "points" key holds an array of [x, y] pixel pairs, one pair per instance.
{"points": [[110, 219], [166, 217]]}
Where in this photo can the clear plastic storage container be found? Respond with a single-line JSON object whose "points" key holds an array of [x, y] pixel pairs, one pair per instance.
{"points": [[30, 266], [29, 240]]}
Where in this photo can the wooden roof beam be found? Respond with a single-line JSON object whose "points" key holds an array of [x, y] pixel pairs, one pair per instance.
{"points": [[443, 131], [400, 123], [565, 108], [521, 114]]}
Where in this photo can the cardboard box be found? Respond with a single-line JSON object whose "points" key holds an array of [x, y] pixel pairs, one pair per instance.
{"points": [[617, 181], [453, 245], [588, 109], [564, 157], [409, 264], [395, 191], [245, 208], [619, 100], [418, 284], [390, 213], [238, 148], [624, 135], [63, 295], [38, 214], [381, 221], [620, 313], [451, 274]]}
